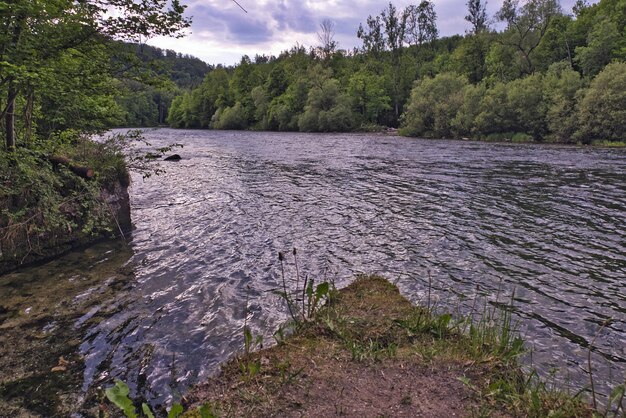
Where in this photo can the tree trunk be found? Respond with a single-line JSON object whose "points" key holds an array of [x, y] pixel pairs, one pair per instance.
{"points": [[9, 117], [28, 116], [81, 171]]}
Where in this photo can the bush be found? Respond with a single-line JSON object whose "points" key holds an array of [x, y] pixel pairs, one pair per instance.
{"points": [[327, 110], [602, 110], [464, 123], [561, 87], [433, 105], [232, 117], [43, 206], [525, 103]]}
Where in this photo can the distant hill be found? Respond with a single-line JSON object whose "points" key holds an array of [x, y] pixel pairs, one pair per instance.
{"points": [[150, 78], [184, 70]]}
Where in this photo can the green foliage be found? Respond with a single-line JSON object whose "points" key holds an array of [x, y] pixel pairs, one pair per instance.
{"points": [[499, 64], [41, 205], [463, 123], [231, 117], [525, 104], [175, 411], [118, 395], [527, 24], [522, 83], [556, 44], [433, 104], [146, 410], [601, 48], [312, 297], [248, 365], [602, 110], [367, 94], [561, 90], [55, 69], [327, 109], [470, 58], [285, 110]]}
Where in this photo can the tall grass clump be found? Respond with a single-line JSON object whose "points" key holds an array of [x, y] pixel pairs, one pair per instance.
{"points": [[303, 302]]}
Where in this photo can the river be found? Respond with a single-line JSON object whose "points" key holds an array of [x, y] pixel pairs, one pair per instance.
{"points": [[162, 310]]}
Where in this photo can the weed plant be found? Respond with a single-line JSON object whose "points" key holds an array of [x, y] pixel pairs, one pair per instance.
{"points": [[308, 298]]}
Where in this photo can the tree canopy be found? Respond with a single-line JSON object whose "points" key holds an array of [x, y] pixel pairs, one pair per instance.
{"points": [[531, 80], [42, 39]]}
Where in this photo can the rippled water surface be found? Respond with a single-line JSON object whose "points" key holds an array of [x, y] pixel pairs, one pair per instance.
{"points": [[483, 219]]}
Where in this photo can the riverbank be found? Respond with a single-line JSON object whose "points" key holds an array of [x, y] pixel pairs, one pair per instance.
{"points": [[58, 198], [370, 352]]}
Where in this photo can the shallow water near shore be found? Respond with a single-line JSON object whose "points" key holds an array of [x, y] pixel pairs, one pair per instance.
{"points": [[483, 220]]}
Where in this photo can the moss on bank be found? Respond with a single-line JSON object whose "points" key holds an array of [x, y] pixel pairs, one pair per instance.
{"points": [[46, 209], [369, 352]]}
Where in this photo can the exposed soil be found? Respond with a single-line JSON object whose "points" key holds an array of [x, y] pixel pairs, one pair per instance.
{"points": [[367, 368]]}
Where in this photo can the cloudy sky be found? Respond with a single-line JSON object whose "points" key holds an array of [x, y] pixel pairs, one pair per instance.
{"points": [[222, 32]]}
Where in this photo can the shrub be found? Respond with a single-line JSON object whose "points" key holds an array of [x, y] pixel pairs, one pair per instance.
{"points": [[602, 110], [433, 105]]}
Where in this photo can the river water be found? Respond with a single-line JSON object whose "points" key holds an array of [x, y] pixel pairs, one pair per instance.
{"points": [[483, 220]]}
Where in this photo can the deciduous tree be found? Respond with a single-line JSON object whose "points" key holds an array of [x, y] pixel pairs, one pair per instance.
{"points": [[477, 15], [35, 34]]}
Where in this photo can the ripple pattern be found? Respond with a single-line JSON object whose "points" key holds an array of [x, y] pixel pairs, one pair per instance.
{"points": [[481, 219]]}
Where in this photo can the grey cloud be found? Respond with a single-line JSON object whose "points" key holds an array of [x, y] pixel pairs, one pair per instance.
{"points": [[293, 15], [222, 20], [232, 25]]}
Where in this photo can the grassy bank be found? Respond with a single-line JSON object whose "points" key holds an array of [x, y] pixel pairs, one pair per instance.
{"points": [[58, 194], [369, 352]]}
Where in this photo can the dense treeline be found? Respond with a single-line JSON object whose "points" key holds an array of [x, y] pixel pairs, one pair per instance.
{"points": [[157, 76], [546, 75]]}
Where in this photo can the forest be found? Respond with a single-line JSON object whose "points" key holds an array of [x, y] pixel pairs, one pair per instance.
{"points": [[546, 75], [67, 67], [530, 72]]}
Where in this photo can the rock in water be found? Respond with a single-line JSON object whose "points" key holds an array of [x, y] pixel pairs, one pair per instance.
{"points": [[174, 157]]}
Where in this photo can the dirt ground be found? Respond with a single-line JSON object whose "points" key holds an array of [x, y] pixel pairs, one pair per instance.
{"points": [[353, 362]]}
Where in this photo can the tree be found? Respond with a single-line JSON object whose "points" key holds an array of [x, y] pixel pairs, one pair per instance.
{"points": [[499, 63], [395, 29], [387, 31], [525, 103], [421, 23], [327, 108], [579, 7], [602, 110], [326, 36], [464, 123], [602, 46], [433, 105], [33, 35], [215, 93], [367, 93], [277, 81], [556, 45], [470, 57], [561, 86], [373, 36], [494, 115], [477, 16], [526, 26]]}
